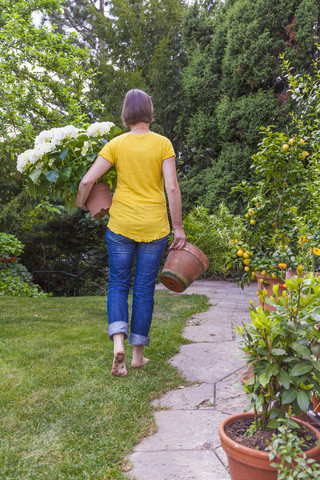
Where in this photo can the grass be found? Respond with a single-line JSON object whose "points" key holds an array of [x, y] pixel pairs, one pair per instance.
{"points": [[62, 415]]}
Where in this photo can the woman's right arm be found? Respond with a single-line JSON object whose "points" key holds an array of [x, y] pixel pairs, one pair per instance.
{"points": [[98, 168], [174, 198]]}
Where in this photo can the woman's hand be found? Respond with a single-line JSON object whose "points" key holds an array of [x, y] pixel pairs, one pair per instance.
{"points": [[179, 238]]}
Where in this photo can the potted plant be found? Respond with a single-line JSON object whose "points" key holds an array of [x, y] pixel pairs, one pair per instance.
{"points": [[293, 462], [10, 247], [61, 156], [281, 348]]}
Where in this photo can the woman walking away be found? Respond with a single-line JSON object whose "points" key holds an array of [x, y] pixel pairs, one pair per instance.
{"points": [[138, 226]]}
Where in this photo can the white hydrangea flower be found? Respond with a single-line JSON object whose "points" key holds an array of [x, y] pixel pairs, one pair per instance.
{"points": [[59, 134], [32, 156], [44, 137], [23, 160], [85, 148], [98, 129], [55, 136]]}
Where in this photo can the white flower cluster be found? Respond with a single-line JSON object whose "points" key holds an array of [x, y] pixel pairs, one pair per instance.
{"points": [[31, 156], [98, 129], [48, 141], [55, 136], [45, 142]]}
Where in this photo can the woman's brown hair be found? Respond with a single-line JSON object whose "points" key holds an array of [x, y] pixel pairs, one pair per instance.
{"points": [[137, 107]]}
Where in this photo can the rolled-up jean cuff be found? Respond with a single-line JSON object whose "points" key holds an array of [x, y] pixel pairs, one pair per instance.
{"points": [[118, 327], [135, 339]]}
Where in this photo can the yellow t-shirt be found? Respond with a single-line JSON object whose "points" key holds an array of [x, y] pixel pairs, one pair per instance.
{"points": [[138, 209]]}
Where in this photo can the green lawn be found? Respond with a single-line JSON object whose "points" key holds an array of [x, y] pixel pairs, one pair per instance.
{"points": [[62, 415]]}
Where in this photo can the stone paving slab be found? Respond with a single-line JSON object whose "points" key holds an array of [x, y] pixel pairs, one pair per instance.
{"points": [[209, 332], [187, 445], [178, 465], [206, 362], [186, 398], [228, 397], [173, 428]]}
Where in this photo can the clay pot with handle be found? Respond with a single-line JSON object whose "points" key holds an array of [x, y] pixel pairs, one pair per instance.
{"points": [[182, 267], [99, 200]]}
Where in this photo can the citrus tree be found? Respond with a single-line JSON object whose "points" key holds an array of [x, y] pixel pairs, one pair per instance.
{"points": [[282, 216]]}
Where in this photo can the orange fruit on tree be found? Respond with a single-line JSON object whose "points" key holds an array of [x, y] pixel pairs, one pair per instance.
{"points": [[285, 146], [246, 261], [240, 253], [246, 254], [247, 269], [253, 221], [291, 141]]}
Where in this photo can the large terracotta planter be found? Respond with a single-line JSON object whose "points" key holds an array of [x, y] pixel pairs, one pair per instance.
{"points": [[270, 282], [250, 464], [182, 267], [99, 200]]}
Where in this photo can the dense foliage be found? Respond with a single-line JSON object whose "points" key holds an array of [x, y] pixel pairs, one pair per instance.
{"points": [[15, 278], [234, 83]]}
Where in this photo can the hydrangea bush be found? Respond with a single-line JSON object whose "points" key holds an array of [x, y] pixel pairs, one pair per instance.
{"points": [[61, 156]]}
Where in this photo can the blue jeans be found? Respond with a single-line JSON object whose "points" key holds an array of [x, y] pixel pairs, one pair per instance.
{"points": [[122, 251]]}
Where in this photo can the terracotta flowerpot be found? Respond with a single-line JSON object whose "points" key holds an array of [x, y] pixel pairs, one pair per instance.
{"points": [[291, 273], [247, 463], [99, 200], [269, 286], [9, 259], [315, 404], [182, 267]]}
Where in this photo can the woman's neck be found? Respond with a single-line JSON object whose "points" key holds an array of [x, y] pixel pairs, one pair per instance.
{"points": [[140, 127]]}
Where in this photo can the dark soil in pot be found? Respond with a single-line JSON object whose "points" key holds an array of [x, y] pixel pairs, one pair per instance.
{"points": [[260, 440]]}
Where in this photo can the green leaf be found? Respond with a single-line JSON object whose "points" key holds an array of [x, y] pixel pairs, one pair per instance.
{"points": [[300, 369], [300, 349], [288, 396], [53, 175], [264, 379], [274, 423], [260, 401], [284, 379], [35, 174], [62, 155], [278, 351], [303, 400]]}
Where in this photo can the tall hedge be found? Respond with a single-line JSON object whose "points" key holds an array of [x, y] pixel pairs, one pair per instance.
{"points": [[234, 83]]}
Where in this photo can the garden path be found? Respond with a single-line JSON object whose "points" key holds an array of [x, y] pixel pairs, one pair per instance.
{"points": [[186, 445]]}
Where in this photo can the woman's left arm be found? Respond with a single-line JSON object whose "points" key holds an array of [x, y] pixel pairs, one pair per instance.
{"points": [[98, 168]]}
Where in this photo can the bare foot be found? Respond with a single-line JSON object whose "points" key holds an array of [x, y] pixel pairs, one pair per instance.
{"points": [[119, 365], [139, 363]]}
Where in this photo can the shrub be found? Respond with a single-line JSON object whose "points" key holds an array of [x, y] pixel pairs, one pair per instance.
{"points": [[14, 277], [10, 246], [213, 234]]}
